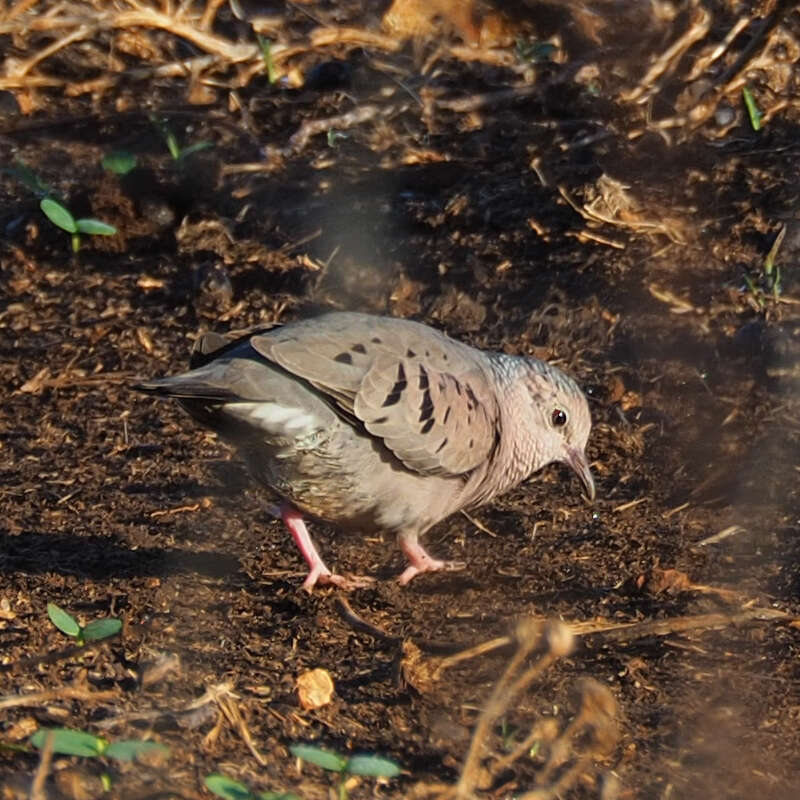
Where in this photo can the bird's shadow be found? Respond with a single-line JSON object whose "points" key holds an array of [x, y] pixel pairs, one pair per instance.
{"points": [[101, 557]]}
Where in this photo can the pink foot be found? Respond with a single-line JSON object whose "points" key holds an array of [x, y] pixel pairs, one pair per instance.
{"points": [[317, 571], [422, 561]]}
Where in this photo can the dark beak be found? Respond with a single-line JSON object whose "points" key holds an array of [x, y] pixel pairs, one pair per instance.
{"points": [[577, 460]]}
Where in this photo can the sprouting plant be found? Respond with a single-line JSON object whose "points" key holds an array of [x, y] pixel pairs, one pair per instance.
{"points": [[62, 218], [56, 210], [28, 178], [178, 153], [230, 789], [753, 111], [67, 742], [334, 136], [534, 51], [120, 162], [768, 281], [93, 632], [367, 765], [771, 271], [265, 45], [508, 734]]}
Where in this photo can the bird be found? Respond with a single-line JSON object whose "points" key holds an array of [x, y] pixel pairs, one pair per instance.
{"points": [[379, 424]]}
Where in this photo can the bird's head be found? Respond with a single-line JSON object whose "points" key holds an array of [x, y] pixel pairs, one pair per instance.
{"points": [[560, 420]]}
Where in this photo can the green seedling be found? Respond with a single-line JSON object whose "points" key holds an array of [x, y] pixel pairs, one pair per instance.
{"points": [[67, 742], [366, 765], [265, 45], [769, 282], [753, 110], [120, 162], [534, 52], [229, 789], [334, 136], [56, 210], [93, 632], [773, 272], [28, 178], [179, 154], [508, 734], [62, 218]]}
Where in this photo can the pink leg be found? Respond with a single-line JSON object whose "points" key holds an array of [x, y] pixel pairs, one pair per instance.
{"points": [[317, 571], [421, 560]]}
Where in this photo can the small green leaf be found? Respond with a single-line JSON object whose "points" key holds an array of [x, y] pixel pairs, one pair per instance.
{"points": [[753, 110], [63, 621], [333, 136], [70, 743], [195, 148], [120, 162], [105, 781], [26, 176], [376, 766], [101, 629], [227, 788], [58, 215], [172, 143], [769, 262], [319, 757], [535, 51], [265, 45], [95, 227], [130, 749]]}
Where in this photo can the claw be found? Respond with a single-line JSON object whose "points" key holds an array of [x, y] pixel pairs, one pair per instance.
{"points": [[422, 561], [348, 583]]}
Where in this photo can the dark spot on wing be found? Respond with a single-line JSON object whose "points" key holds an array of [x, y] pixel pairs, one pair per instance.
{"points": [[427, 426], [423, 378], [426, 406], [393, 397], [344, 358], [379, 420], [358, 348], [410, 353], [446, 415], [376, 340], [441, 446]]}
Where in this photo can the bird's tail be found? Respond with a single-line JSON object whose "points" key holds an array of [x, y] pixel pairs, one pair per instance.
{"points": [[190, 385]]}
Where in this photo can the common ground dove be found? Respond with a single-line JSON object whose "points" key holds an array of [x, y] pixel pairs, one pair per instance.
{"points": [[380, 424]]}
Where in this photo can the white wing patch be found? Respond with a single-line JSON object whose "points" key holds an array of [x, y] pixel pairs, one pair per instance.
{"points": [[274, 417]]}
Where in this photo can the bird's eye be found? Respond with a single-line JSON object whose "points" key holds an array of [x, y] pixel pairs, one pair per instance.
{"points": [[559, 418]]}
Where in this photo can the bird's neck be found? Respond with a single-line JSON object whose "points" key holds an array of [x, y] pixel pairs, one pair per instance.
{"points": [[516, 455]]}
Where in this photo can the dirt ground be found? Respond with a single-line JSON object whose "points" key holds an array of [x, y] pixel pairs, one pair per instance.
{"points": [[602, 201]]}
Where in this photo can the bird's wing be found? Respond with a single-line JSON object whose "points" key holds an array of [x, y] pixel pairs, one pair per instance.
{"points": [[426, 396]]}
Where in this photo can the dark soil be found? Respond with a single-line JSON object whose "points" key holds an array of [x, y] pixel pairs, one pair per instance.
{"points": [[117, 505]]}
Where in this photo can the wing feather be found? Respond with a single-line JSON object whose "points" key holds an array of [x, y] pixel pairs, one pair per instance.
{"points": [[429, 398]]}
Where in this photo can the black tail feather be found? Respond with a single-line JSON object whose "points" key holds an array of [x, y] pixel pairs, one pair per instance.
{"points": [[185, 388]]}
